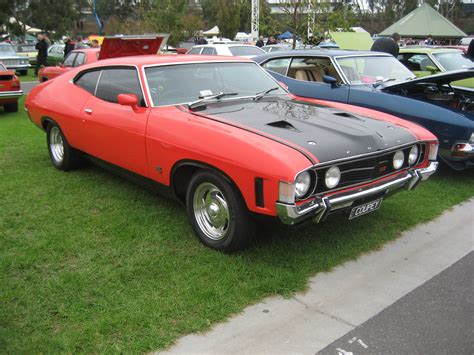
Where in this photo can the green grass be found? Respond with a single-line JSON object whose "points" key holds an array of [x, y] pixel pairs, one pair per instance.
{"points": [[29, 76], [92, 263]]}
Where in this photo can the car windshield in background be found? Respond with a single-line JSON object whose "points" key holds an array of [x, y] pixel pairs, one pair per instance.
{"points": [[245, 50], [454, 60], [367, 70], [2, 67], [7, 49], [185, 83]]}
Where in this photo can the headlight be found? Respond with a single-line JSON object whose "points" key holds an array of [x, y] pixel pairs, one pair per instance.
{"points": [[413, 155], [398, 159], [302, 184], [24, 61], [333, 176]]}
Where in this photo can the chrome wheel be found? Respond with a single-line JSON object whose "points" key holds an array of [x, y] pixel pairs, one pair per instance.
{"points": [[56, 144], [211, 211]]}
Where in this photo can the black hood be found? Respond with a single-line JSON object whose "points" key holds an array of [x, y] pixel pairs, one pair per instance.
{"points": [[438, 79], [328, 133]]}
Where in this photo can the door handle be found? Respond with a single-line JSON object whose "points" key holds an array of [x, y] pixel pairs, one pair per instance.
{"points": [[88, 111]]}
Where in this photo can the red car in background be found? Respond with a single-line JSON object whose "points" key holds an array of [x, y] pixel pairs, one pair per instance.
{"points": [[112, 47], [10, 89]]}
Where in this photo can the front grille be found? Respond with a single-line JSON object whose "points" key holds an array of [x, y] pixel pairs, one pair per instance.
{"points": [[6, 77], [10, 62], [366, 170]]}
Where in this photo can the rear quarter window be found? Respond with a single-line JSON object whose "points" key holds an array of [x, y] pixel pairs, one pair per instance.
{"points": [[88, 81]]}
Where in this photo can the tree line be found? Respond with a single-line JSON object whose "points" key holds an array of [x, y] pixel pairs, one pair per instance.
{"points": [[181, 21]]}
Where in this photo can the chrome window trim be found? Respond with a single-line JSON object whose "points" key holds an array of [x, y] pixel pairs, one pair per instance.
{"points": [[144, 67]]}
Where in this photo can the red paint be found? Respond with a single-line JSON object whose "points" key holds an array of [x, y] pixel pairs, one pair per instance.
{"points": [[151, 141], [10, 84]]}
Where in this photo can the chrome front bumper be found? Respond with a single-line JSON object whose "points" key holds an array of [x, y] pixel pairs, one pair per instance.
{"points": [[322, 206], [11, 94]]}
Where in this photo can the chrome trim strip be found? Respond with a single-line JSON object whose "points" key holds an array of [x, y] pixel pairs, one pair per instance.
{"points": [[10, 94]]}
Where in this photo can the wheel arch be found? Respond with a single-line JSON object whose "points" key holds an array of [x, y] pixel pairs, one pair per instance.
{"points": [[45, 120], [183, 170]]}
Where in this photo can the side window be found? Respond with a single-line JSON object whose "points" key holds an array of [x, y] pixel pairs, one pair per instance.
{"points": [[69, 59], [88, 81], [195, 50], [208, 51], [309, 69], [115, 81], [279, 65], [418, 62], [80, 59]]}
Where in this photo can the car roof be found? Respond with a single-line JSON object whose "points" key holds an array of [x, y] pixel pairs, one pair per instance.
{"points": [[224, 45], [320, 51], [167, 59], [425, 50]]}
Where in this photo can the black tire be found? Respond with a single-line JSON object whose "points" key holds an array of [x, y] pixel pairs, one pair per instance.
{"points": [[64, 159], [23, 72], [239, 228], [11, 107]]}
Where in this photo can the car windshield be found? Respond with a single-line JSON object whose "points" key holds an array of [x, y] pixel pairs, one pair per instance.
{"points": [[2, 67], [454, 60], [371, 69], [7, 49], [185, 83]]}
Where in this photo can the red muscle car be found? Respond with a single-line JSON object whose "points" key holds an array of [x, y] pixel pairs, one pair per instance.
{"points": [[226, 139], [10, 90], [112, 47]]}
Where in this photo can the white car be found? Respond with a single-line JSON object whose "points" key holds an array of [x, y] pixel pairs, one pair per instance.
{"points": [[237, 50]]}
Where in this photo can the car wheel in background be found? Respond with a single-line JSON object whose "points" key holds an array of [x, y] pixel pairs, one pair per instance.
{"points": [[218, 213], [23, 72], [11, 107], [62, 155]]}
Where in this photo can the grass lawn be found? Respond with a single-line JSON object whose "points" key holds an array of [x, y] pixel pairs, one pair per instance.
{"points": [[90, 262], [29, 76]]}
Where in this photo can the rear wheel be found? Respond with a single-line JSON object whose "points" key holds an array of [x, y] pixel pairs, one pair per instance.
{"points": [[62, 155], [23, 72], [11, 107], [218, 213]]}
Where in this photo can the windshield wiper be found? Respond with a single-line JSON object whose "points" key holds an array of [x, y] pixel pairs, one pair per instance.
{"points": [[205, 99], [261, 94], [383, 81]]}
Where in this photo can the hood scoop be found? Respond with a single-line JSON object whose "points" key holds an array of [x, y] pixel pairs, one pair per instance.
{"points": [[283, 124]]}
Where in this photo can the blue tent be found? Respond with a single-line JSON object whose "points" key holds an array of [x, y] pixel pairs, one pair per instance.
{"points": [[286, 35]]}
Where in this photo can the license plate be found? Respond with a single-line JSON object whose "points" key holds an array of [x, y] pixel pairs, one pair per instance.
{"points": [[365, 208]]}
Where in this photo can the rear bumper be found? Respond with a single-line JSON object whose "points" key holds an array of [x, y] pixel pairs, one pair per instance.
{"points": [[11, 94], [322, 206], [18, 66]]}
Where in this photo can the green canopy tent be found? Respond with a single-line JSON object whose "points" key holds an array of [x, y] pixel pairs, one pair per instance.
{"points": [[422, 22]]}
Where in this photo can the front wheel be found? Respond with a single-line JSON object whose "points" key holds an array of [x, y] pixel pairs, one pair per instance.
{"points": [[218, 213], [62, 155]]}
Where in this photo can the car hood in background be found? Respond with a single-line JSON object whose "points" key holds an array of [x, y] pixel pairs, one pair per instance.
{"points": [[439, 79], [125, 46], [312, 127]]}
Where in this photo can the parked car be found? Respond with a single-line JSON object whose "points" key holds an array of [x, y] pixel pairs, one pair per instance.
{"points": [[55, 54], [11, 60], [27, 50], [423, 61], [10, 89], [379, 81], [225, 138], [276, 47], [119, 46], [239, 50]]}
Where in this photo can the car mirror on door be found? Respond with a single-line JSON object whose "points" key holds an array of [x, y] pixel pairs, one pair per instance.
{"points": [[330, 80], [128, 100]]}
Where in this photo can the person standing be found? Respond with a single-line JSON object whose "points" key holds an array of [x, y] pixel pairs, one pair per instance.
{"points": [[95, 43], [387, 45], [429, 41], [470, 50], [79, 43], [260, 42], [42, 57], [69, 45]]}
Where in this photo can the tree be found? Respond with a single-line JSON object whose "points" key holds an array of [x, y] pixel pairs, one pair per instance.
{"points": [[296, 17]]}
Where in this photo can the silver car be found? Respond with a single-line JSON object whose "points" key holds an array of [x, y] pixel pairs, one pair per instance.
{"points": [[13, 61]]}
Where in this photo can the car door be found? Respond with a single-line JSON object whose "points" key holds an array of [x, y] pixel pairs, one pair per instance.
{"points": [[113, 132]]}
